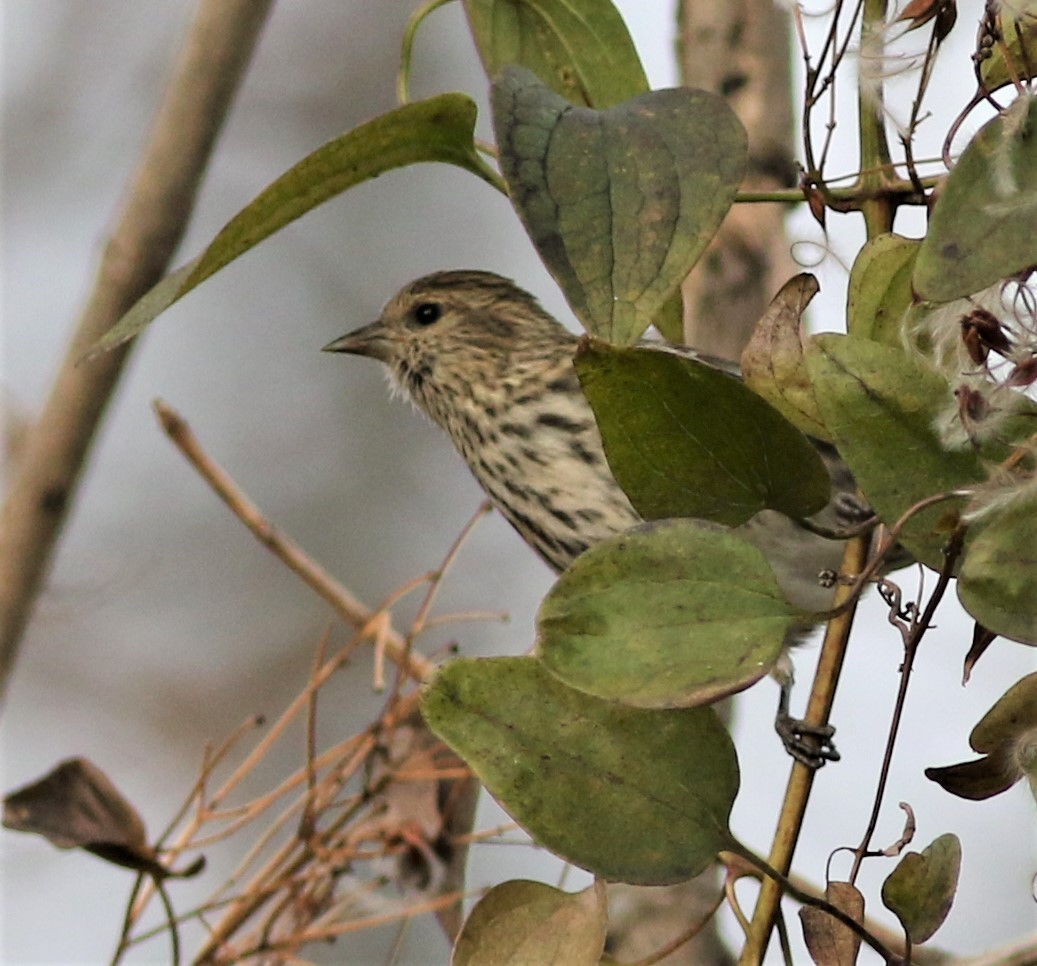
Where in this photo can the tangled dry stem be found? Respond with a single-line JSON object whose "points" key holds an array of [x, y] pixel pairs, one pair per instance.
{"points": [[370, 830]]}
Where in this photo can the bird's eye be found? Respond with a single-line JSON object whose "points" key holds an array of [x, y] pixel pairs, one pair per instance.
{"points": [[425, 313]]}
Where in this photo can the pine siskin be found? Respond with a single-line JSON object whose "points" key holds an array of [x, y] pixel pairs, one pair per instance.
{"points": [[482, 359]]}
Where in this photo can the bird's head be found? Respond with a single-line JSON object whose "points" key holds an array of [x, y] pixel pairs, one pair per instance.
{"points": [[446, 331]]}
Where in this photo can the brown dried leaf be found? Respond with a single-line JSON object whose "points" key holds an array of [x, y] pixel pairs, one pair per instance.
{"points": [[773, 364], [77, 806], [829, 942], [920, 12]]}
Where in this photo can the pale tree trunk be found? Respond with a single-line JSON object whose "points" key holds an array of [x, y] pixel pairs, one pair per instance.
{"points": [[740, 49]]}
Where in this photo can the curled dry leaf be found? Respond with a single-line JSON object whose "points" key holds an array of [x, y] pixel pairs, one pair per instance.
{"points": [[77, 806], [981, 640], [772, 363], [1006, 736]]}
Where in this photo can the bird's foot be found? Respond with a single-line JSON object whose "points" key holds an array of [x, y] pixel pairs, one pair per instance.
{"points": [[810, 745]]}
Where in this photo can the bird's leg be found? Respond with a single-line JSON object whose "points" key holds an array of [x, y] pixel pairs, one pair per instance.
{"points": [[809, 744]]}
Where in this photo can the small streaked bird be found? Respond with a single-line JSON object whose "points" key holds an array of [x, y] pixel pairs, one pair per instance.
{"points": [[484, 361]]}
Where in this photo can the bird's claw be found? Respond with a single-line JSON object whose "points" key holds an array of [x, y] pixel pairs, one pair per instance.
{"points": [[810, 745]]}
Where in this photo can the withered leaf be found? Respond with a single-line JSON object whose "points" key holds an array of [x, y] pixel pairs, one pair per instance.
{"points": [[77, 806]]}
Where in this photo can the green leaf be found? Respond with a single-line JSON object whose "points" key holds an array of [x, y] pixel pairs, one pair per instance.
{"points": [[880, 288], [1013, 715], [999, 573], [631, 795], [920, 890], [519, 923], [687, 440], [438, 129], [772, 362], [982, 225], [619, 203], [882, 407], [671, 614], [579, 48]]}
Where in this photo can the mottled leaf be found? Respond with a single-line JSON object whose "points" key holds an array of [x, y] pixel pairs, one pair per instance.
{"points": [[519, 923], [621, 202], [997, 584], [880, 295], [882, 406], [1012, 715], [438, 129], [632, 795], [982, 225], [773, 364], [579, 48], [687, 440], [920, 890], [671, 614]]}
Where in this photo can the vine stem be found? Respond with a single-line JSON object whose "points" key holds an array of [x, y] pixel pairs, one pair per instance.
{"points": [[801, 778], [914, 638], [878, 210], [784, 884]]}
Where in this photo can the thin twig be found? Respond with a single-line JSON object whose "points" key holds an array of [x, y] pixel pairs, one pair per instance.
{"points": [[291, 554], [917, 632]]}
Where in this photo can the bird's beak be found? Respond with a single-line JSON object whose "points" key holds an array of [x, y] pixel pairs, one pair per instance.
{"points": [[368, 341]]}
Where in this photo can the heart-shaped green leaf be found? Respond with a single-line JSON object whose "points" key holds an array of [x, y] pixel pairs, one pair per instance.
{"points": [[620, 202], [687, 440], [671, 614], [518, 923], [579, 48], [438, 129], [630, 794], [982, 225], [920, 890]]}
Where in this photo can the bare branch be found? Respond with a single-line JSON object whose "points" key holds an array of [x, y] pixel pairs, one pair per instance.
{"points": [[157, 205]]}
